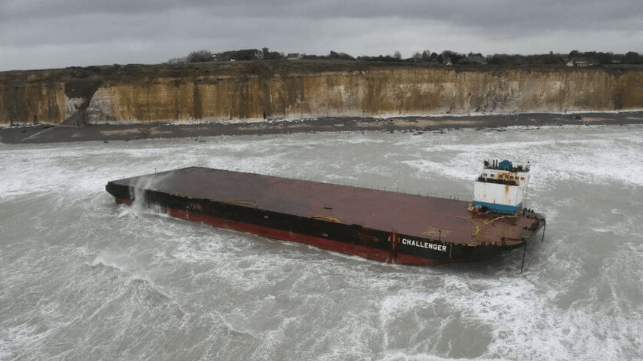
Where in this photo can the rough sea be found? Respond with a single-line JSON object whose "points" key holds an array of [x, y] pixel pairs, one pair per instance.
{"points": [[82, 278]]}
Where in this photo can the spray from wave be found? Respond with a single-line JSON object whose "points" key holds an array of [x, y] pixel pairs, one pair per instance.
{"points": [[140, 194]]}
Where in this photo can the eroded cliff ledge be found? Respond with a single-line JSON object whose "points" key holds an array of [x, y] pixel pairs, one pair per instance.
{"points": [[253, 91]]}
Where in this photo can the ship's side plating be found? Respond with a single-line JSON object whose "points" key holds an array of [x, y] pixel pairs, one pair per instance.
{"points": [[324, 233], [502, 186]]}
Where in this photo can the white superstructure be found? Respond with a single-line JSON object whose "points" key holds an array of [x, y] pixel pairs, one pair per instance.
{"points": [[502, 186]]}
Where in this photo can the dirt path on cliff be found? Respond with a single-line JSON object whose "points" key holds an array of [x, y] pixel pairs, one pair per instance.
{"points": [[126, 132]]}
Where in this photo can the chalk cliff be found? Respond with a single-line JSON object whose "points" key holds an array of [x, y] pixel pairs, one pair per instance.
{"points": [[253, 91]]}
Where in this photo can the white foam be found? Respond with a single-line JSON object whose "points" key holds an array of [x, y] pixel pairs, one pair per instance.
{"points": [[401, 355], [117, 262], [19, 340]]}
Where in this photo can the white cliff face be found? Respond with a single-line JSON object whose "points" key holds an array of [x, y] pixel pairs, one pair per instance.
{"points": [[72, 105], [254, 92]]}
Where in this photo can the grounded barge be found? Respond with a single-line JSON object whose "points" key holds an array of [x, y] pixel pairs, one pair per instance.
{"points": [[379, 225]]}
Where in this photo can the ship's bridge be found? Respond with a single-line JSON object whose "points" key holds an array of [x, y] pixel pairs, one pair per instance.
{"points": [[502, 186], [505, 172]]}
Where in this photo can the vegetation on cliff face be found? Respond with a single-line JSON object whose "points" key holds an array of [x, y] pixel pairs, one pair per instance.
{"points": [[256, 90]]}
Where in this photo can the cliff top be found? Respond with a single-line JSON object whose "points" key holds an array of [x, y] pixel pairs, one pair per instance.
{"points": [[138, 72]]}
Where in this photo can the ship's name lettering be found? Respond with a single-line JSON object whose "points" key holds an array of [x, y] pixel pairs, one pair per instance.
{"points": [[435, 247]]}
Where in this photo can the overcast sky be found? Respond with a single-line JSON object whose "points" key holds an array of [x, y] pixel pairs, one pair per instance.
{"points": [[36, 34]]}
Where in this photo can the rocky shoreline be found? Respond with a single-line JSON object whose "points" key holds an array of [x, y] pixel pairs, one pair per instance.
{"points": [[127, 132]]}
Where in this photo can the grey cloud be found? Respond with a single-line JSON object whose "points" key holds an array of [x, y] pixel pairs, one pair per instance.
{"points": [[478, 13], [358, 27]]}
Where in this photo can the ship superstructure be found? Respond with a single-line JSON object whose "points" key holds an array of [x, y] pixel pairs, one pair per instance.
{"points": [[502, 186]]}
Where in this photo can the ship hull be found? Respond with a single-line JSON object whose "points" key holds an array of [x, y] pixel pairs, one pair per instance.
{"points": [[365, 243], [325, 232]]}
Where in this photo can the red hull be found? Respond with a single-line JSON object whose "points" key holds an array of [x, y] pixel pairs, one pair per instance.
{"points": [[327, 244]]}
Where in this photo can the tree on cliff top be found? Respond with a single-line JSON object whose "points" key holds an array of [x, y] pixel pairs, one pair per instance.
{"points": [[175, 61], [632, 58], [268, 55], [339, 55], [200, 56], [244, 54]]}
